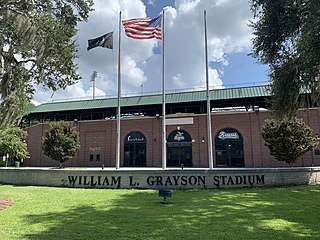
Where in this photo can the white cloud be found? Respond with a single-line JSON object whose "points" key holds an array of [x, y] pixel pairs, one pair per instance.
{"points": [[187, 6], [97, 93], [132, 75], [228, 32], [214, 79], [151, 2], [75, 91], [177, 81]]}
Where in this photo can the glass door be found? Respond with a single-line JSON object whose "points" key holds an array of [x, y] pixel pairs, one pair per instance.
{"points": [[229, 148], [135, 146], [178, 154]]}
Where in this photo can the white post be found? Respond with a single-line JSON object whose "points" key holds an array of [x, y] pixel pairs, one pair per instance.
{"points": [[93, 80], [210, 158], [119, 98], [164, 135], [94, 88]]}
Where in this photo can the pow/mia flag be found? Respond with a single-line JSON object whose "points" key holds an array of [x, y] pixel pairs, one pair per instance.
{"points": [[105, 41]]}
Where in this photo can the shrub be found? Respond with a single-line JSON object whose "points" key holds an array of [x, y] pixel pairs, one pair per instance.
{"points": [[288, 139], [13, 144], [61, 141]]}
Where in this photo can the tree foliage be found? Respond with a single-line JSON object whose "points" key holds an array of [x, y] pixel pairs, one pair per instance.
{"points": [[61, 141], [288, 139], [12, 143], [287, 38], [37, 46]]}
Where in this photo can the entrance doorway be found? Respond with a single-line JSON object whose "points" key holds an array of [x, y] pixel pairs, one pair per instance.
{"points": [[135, 146], [229, 148], [179, 148]]}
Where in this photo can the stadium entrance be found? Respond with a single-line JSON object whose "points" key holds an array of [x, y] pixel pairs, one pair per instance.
{"points": [[179, 147], [135, 150], [229, 148]]}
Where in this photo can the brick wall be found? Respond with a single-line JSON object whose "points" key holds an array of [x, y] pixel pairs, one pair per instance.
{"points": [[99, 137]]}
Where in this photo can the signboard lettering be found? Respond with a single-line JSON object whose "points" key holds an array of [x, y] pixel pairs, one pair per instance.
{"points": [[158, 181], [94, 149], [224, 135], [131, 139]]}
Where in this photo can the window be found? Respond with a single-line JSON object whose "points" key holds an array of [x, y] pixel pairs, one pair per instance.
{"points": [[317, 152], [98, 157], [97, 115], [91, 157], [85, 116]]}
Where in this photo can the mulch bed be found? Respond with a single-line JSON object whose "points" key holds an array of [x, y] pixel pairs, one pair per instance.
{"points": [[5, 203]]}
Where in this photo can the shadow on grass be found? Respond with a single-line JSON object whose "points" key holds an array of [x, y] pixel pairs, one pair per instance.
{"points": [[280, 213]]}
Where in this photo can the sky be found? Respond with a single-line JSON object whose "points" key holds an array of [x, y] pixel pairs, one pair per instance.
{"points": [[229, 43]]}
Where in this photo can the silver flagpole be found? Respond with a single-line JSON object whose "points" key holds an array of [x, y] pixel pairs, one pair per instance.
{"points": [[210, 158], [119, 97], [164, 135]]}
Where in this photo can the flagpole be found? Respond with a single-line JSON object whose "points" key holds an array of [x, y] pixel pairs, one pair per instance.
{"points": [[164, 135], [119, 98], [210, 158]]}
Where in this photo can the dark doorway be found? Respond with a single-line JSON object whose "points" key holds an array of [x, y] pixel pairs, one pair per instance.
{"points": [[229, 148], [135, 150], [179, 147]]}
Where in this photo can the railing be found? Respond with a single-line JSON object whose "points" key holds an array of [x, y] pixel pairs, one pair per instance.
{"points": [[149, 93]]}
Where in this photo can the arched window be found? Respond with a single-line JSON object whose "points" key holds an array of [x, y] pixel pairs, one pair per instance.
{"points": [[229, 148], [179, 148], [135, 150]]}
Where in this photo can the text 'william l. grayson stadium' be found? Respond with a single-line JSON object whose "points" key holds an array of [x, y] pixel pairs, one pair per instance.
{"points": [[165, 181]]}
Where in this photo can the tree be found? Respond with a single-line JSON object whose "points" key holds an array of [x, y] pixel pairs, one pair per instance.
{"points": [[288, 139], [37, 46], [61, 141], [13, 144], [287, 39]]}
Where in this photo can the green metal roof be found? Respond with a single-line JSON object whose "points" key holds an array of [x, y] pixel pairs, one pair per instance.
{"points": [[196, 96]]}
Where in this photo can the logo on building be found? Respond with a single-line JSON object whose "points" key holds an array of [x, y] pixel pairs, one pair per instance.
{"points": [[224, 135], [135, 139], [179, 136]]}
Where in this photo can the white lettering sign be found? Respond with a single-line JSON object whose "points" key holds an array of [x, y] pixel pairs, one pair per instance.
{"points": [[94, 149], [130, 139], [223, 135]]}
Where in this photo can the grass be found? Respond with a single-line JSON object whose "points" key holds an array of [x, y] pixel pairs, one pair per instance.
{"points": [[66, 213]]}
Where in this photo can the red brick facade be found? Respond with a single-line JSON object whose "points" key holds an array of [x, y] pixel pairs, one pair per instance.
{"points": [[99, 138]]}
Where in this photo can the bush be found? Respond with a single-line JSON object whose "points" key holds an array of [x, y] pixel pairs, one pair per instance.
{"points": [[288, 139], [61, 141], [13, 144]]}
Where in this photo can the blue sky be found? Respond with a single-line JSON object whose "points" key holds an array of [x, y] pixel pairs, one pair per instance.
{"points": [[229, 43], [242, 68], [155, 7]]}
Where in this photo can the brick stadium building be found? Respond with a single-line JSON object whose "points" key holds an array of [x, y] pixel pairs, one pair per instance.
{"points": [[237, 116]]}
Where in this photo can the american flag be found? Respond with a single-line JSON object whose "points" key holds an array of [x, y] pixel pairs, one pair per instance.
{"points": [[143, 28]]}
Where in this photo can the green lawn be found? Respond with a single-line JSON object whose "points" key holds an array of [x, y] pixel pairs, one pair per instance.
{"points": [[65, 213]]}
